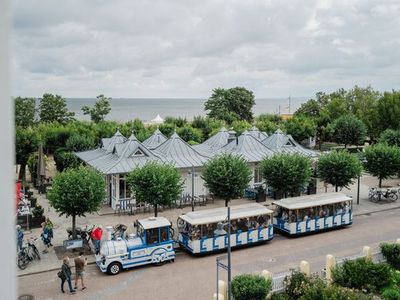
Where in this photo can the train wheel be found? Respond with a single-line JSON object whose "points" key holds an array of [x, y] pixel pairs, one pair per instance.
{"points": [[114, 268]]}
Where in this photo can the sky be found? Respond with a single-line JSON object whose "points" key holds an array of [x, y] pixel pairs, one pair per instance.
{"points": [[186, 48]]}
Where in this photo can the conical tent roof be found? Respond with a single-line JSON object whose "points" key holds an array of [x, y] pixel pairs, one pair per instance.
{"points": [[213, 143], [279, 141], [179, 153], [259, 135], [157, 119], [108, 143], [247, 146], [156, 139]]}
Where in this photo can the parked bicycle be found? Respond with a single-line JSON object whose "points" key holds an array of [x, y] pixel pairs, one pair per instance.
{"points": [[84, 234], [27, 254], [389, 194]]}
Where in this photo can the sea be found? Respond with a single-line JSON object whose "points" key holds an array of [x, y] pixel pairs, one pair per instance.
{"points": [[146, 109]]}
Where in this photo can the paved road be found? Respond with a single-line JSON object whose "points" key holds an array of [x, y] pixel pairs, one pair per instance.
{"points": [[194, 277]]}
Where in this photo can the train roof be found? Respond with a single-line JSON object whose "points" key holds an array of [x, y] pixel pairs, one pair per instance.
{"points": [[312, 200], [214, 215], [154, 222]]}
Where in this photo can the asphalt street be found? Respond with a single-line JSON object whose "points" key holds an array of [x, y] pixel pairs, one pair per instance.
{"points": [[194, 277]]}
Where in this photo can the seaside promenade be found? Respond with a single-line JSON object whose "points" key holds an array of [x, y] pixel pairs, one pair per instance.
{"points": [[107, 217]]}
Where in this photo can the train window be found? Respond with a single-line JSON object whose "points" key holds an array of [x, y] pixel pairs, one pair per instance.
{"points": [[163, 234], [152, 236]]}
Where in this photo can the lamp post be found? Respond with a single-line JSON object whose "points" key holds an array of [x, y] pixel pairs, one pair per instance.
{"points": [[228, 266]]}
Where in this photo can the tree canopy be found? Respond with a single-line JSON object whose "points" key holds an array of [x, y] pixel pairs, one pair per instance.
{"points": [[231, 104], [226, 176], [76, 192], [339, 168], [286, 173], [26, 142], [349, 130], [156, 184], [53, 108], [390, 137], [301, 128], [25, 110], [99, 110], [382, 161], [388, 111]]}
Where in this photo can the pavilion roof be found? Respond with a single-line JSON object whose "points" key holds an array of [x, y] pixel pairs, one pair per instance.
{"points": [[156, 139]]}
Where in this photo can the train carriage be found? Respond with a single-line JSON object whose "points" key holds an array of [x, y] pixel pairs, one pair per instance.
{"points": [[203, 231], [311, 213]]}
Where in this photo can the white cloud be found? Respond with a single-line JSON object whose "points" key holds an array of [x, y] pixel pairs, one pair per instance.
{"points": [[185, 48]]}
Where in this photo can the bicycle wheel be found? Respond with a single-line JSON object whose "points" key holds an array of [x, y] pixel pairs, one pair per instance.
{"points": [[22, 261], [375, 197], [393, 197], [36, 253]]}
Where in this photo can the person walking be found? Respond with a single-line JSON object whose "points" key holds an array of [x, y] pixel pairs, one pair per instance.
{"points": [[80, 264], [20, 237], [48, 228], [66, 275]]}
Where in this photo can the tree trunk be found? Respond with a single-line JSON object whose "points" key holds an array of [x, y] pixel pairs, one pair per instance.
{"points": [[73, 226], [22, 171], [226, 202], [380, 182], [336, 188], [155, 210]]}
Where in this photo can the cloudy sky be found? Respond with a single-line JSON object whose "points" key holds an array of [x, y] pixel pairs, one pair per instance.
{"points": [[185, 48]]}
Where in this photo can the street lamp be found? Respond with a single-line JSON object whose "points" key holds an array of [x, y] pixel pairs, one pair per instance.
{"points": [[220, 231], [193, 174]]}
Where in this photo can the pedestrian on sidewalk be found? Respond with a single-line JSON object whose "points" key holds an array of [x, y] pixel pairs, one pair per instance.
{"points": [[45, 238], [66, 275], [80, 263], [20, 237], [48, 228]]}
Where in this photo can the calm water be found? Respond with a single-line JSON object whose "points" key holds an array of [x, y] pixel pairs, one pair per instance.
{"points": [[146, 109]]}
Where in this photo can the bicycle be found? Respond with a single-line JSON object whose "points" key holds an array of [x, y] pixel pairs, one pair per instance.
{"points": [[376, 195], [27, 254]]}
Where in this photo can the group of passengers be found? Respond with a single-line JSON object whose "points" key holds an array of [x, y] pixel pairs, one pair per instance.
{"points": [[197, 232], [312, 213]]}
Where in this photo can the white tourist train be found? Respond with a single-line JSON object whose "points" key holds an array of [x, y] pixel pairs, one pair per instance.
{"points": [[311, 213], [152, 244], [204, 231]]}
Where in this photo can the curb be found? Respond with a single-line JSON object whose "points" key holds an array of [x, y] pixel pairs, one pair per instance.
{"points": [[376, 211], [48, 270]]}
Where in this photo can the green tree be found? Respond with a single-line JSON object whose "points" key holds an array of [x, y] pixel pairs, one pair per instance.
{"points": [[301, 128], [99, 110], [382, 161], [25, 110], [388, 111], [250, 287], [156, 184], [77, 142], [231, 104], [26, 142], [167, 129], [65, 159], [177, 122], [266, 126], [53, 108], [240, 126], [226, 176], [190, 134], [76, 192], [349, 130], [339, 168], [390, 137], [286, 173]]}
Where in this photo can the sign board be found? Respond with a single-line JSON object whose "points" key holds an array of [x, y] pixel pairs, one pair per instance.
{"points": [[72, 244]]}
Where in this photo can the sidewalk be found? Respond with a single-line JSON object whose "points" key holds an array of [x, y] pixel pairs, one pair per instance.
{"points": [[107, 217]]}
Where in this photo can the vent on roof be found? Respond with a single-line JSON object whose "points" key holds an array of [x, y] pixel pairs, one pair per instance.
{"points": [[138, 153], [289, 143]]}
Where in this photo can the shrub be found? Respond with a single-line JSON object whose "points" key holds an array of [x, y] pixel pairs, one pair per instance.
{"points": [[279, 296], [250, 287], [391, 294], [362, 274], [334, 292], [65, 160], [77, 142], [38, 211], [296, 284], [392, 254]]}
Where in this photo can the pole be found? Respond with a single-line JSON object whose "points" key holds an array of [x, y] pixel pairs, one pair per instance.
{"points": [[192, 188], [217, 280], [229, 254], [358, 190]]}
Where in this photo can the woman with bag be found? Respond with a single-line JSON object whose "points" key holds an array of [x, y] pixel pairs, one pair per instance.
{"points": [[65, 275]]}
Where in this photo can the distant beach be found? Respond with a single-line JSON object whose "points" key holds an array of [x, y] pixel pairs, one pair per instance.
{"points": [[125, 109]]}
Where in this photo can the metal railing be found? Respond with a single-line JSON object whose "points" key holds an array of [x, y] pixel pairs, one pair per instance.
{"points": [[278, 281]]}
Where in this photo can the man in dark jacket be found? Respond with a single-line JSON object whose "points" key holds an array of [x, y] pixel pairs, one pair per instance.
{"points": [[66, 275]]}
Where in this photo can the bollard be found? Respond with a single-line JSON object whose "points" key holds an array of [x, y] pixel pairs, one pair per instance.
{"points": [[219, 296], [305, 267], [222, 288], [330, 263], [266, 274], [367, 252]]}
